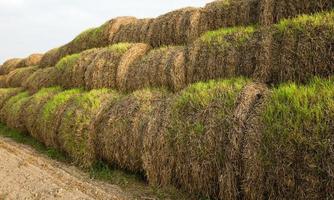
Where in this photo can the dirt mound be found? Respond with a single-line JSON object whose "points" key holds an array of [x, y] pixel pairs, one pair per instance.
{"points": [[50, 116], [121, 126], [163, 67], [17, 77], [11, 112], [42, 78], [74, 133]]}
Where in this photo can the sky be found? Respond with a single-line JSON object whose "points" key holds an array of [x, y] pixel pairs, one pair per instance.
{"points": [[35, 26]]}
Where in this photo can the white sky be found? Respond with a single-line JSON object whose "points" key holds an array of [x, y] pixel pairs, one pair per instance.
{"points": [[35, 26]]}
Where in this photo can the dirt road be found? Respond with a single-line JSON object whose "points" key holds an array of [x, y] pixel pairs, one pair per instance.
{"points": [[24, 174]]}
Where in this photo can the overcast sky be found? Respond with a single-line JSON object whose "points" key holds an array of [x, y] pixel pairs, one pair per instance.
{"points": [[35, 26]]}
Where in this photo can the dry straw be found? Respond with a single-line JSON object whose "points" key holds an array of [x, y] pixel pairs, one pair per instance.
{"points": [[50, 116], [9, 66], [74, 134], [121, 127], [163, 67], [42, 78], [11, 113], [32, 60], [7, 93], [16, 77], [32, 108], [3, 81]]}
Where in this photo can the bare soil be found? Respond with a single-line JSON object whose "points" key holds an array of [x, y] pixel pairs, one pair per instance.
{"points": [[25, 174]]}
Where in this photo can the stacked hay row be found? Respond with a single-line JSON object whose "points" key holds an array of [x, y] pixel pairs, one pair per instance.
{"points": [[9, 65], [163, 67], [290, 154], [121, 126], [92, 38], [17, 77], [12, 64]]}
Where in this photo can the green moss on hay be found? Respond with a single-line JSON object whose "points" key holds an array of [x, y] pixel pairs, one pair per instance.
{"points": [[6, 93], [41, 94], [241, 34], [67, 61], [120, 47], [304, 22], [297, 138], [15, 103], [93, 34], [58, 100]]}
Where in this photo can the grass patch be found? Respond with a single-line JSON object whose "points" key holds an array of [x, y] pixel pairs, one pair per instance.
{"points": [[120, 47], [67, 62], [240, 34]]}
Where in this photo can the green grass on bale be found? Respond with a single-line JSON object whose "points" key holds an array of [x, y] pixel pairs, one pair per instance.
{"points": [[67, 62]]}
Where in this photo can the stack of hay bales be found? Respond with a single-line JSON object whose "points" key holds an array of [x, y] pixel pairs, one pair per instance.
{"points": [[223, 53], [91, 38], [42, 78], [75, 134], [121, 127], [49, 118], [17, 77], [12, 111], [191, 138], [33, 107], [32, 60], [290, 152], [163, 67]]}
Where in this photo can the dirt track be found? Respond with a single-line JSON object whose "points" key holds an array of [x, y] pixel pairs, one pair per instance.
{"points": [[24, 174]]}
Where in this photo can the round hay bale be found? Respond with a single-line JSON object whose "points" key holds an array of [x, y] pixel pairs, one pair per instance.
{"points": [[17, 77], [230, 180], [9, 66], [101, 73], [163, 67], [49, 118], [135, 32], [42, 78], [224, 53], [3, 81], [133, 55], [189, 140], [6, 94], [11, 112], [302, 48], [78, 70], [229, 13], [32, 109], [51, 58], [113, 26], [74, 134], [174, 28], [65, 67], [121, 127], [32, 60], [291, 153]]}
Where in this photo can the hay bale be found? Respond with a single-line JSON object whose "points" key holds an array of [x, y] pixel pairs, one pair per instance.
{"points": [[9, 66], [17, 77], [51, 57], [32, 109], [271, 12], [291, 156], [65, 67], [111, 63], [189, 141], [135, 32], [163, 67], [302, 48], [224, 53], [229, 13], [174, 28], [42, 78], [11, 112], [74, 134], [32, 60], [231, 179], [3, 81], [48, 120], [6, 94], [121, 127]]}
